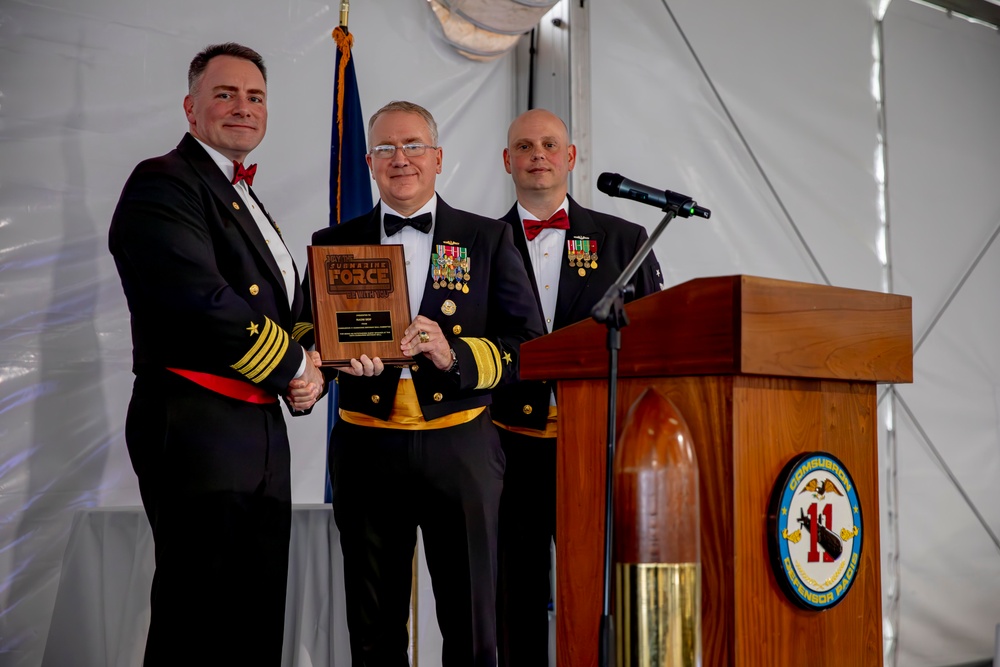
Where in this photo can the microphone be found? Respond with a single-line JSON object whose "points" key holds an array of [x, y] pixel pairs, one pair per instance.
{"points": [[617, 185]]}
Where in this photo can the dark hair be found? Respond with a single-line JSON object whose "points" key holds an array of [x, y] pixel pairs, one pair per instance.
{"points": [[200, 61], [406, 107]]}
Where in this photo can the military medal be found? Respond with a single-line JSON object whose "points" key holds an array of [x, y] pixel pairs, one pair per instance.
{"points": [[448, 307], [582, 254], [450, 267]]}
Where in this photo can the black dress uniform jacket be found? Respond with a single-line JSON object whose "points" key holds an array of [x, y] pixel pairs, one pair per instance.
{"points": [[206, 295], [204, 290], [527, 404], [486, 329]]}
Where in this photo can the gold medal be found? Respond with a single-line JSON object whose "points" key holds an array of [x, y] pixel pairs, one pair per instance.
{"points": [[449, 307], [437, 285], [465, 288], [593, 265], [582, 272]]}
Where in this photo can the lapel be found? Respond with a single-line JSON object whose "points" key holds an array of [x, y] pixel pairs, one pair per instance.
{"points": [[231, 202], [514, 220], [448, 226], [369, 229], [366, 229], [571, 283], [297, 296]]}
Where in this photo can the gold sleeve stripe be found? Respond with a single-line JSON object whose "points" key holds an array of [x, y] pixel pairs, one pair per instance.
{"points": [[487, 358], [301, 329], [267, 351]]}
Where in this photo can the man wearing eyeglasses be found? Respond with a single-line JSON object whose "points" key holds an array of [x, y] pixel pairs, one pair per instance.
{"points": [[573, 255], [415, 445]]}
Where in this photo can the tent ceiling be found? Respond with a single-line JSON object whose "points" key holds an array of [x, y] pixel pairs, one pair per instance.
{"points": [[984, 10]]}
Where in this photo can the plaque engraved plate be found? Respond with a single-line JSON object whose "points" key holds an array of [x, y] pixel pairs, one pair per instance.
{"points": [[361, 304]]}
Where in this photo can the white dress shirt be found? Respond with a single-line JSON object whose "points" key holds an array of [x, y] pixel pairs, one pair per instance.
{"points": [[547, 254], [416, 253]]}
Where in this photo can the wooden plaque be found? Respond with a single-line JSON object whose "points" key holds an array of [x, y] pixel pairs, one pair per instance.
{"points": [[360, 301]]}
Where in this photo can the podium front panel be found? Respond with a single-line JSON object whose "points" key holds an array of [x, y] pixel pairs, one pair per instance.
{"points": [[745, 429]]}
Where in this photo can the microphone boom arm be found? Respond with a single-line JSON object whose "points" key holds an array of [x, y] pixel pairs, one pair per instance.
{"points": [[612, 304]]}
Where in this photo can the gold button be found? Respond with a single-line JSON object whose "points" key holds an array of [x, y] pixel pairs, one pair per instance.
{"points": [[457, 329], [527, 409], [438, 396], [254, 290], [236, 206], [414, 368], [375, 399]]}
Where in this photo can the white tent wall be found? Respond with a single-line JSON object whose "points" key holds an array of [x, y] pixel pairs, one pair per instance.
{"points": [[942, 95], [764, 112], [775, 131], [88, 88]]}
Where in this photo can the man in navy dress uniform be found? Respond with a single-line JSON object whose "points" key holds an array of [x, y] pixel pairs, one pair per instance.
{"points": [[415, 445], [213, 294], [572, 255]]}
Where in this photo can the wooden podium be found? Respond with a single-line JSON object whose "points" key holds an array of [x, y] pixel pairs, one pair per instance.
{"points": [[762, 370]]}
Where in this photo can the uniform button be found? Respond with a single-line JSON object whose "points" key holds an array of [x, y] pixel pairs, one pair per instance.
{"points": [[268, 242], [546, 287], [284, 273], [548, 321], [415, 368], [526, 409], [254, 290], [457, 329], [438, 396], [376, 398], [545, 255]]}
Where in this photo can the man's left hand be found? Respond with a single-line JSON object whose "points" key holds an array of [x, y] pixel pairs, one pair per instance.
{"points": [[425, 336]]}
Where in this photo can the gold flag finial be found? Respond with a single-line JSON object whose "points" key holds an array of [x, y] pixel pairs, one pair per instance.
{"points": [[345, 8]]}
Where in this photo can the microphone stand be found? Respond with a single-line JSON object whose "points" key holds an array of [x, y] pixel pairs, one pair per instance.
{"points": [[610, 311]]}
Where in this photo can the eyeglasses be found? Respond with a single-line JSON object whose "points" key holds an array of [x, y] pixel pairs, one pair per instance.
{"points": [[386, 151]]}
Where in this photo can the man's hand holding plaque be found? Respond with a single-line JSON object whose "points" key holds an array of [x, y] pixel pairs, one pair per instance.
{"points": [[364, 367]]}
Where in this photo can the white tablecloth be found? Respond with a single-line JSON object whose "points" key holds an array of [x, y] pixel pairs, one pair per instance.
{"points": [[102, 606]]}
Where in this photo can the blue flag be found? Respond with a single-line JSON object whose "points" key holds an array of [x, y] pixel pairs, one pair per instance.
{"points": [[350, 186]]}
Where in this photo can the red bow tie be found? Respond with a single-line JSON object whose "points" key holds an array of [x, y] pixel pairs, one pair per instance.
{"points": [[533, 228], [241, 174]]}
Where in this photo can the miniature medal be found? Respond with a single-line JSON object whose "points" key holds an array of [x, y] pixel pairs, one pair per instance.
{"points": [[450, 267]]}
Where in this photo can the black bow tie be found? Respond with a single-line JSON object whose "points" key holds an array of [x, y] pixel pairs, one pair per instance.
{"points": [[393, 223]]}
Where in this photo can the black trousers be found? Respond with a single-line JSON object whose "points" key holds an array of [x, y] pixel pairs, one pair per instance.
{"points": [[215, 483], [527, 527], [386, 482]]}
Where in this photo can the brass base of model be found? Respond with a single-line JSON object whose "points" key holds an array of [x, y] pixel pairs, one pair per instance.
{"points": [[658, 614]]}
